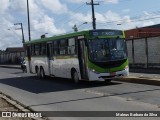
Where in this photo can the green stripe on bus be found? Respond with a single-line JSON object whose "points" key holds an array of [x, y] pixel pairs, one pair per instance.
{"points": [[107, 70]]}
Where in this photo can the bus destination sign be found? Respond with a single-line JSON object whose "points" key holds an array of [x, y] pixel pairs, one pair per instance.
{"points": [[106, 33]]}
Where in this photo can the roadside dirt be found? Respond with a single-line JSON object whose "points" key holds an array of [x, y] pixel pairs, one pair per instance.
{"points": [[6, 106]]}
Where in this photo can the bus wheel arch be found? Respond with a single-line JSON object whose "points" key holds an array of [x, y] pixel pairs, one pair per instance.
{"points": [[74, 75]]}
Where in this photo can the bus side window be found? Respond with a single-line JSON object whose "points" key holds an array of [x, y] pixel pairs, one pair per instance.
{"points": [[63, 46], [66, 46], [28, 52], [37, 49], [55, 48], [71, 46], [25, 50], [32, 50], [43, 49]]}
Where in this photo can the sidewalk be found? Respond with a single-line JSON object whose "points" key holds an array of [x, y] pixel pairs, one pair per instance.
{"points": [[142, 76], [11, 66], [7, 104], [153, 79]]}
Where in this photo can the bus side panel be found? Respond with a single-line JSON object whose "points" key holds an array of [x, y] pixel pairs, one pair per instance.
{"points": [[39, 62], [72, 63], [62, 67]]}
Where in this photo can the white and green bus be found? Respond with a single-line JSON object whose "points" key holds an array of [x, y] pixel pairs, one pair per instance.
{"points": [[99, 54]]}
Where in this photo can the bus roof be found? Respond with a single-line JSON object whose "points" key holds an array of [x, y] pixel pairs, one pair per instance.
{"points": [[63, 36]]}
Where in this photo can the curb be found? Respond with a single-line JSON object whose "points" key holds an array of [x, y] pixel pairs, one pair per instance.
{"points": [[139, 80], [10, 66], [19, 106]]}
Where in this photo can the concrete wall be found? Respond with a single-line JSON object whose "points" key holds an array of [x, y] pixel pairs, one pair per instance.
{"points": [[154, 50], [11, 58], [140, 52], [129, 48], [144, 52]]}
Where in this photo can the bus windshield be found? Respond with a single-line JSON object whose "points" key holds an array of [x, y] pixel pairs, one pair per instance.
{"points": [[107, 49]]}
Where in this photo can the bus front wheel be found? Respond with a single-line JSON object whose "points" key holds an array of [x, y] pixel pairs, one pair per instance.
{"points": [[75, 77]]}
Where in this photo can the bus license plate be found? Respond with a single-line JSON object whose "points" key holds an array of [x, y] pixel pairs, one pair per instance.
{"points": [[112, 74]]}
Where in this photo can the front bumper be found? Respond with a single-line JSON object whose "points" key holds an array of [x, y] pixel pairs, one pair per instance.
{"points": [[104, 76]]}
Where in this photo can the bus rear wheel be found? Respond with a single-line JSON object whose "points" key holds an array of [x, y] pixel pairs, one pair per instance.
{"points": [[38, 72], [42, 73], [75, 77]]}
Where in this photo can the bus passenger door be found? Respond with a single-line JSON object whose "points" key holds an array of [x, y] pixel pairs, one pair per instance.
{"points": [[82, 57], [49, 57]]}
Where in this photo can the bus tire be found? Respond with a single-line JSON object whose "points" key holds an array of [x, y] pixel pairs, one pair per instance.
{"points": [[42, 73], [108, 81], [38, 72], [75, 77]]}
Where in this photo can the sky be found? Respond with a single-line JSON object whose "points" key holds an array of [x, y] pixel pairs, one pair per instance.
{"points": [[53, 17]]}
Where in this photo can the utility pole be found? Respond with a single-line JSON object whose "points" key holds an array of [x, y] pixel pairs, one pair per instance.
{"points": [[21, 28], [29, 33], [93, 14]]}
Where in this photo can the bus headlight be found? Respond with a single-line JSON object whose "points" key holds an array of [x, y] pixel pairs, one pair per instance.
{"points": [[127, 67], [93, 70]]}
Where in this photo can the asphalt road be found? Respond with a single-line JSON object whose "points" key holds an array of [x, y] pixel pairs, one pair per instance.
{"points": [[56, 94]]}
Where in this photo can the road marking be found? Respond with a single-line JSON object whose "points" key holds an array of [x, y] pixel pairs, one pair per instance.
{"points": [[130, 99], [15, 75], [96, 92]]}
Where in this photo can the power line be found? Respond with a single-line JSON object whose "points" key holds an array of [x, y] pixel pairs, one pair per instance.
{"points": [[73, 16], [82, 11], [15, 34], [107, 23], [11, 28], [136, 18], [64, 17], [146, 19], [75, 10]]}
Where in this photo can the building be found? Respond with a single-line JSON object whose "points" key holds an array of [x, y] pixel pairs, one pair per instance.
{"points": [[143, 47], [148, 31], [11, 55], [15, 49]]}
